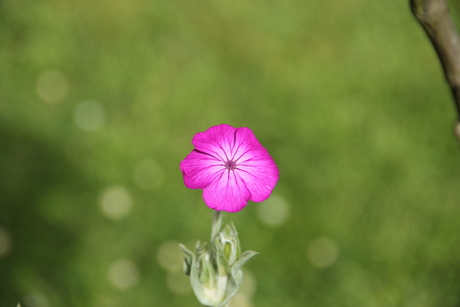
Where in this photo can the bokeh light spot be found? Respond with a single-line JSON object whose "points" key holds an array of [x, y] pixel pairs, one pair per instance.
{"points": [[123, 274], [274, 211], [115, 202], [52, 86], [249, 285], [107, 301], [148, 175], [5, 242], [178, 283], [240, 300], [36, 299], [89, 115], [322, 252], [170, 257]]}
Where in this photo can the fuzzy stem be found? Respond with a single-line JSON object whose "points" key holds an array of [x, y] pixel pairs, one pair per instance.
{"points": [[434, 17], [216, 225]]}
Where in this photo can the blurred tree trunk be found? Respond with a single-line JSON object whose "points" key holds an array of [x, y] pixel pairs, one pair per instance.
{"points": [[435, 18]]}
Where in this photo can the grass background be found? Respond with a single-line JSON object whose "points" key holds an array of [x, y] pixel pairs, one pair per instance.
{"points": [[348, 97]]}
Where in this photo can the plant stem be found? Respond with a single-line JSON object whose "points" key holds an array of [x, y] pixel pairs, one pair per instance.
{"points": [[216, 224], [434, 17]]}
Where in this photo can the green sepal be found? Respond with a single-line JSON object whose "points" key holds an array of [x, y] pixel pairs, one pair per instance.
{"points": [[189, 259], [215, 269], [244, 257]]}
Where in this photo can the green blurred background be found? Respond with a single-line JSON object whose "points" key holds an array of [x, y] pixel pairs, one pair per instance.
{"points": [[99, 101]]}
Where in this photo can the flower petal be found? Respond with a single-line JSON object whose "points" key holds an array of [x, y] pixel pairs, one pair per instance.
{"points": [[254, 165], [245, 141], [260, 176], [228, 193], [200, 169], [217, 141], [254, 177]]}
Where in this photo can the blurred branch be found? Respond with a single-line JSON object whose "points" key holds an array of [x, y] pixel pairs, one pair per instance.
{"points": [[435, 19]]}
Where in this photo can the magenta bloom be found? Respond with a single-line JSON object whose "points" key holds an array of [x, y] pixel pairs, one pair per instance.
{"points": [[231, 167]]}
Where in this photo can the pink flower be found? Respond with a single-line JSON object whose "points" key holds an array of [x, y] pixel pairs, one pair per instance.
{"points": [[231, 167]]}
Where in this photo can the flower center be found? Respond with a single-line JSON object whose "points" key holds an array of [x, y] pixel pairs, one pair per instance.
{"points": [[230, 165]]}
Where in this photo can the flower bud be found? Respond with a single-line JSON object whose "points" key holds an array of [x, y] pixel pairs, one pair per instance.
{"points": [[229, 243], [215, 270]]}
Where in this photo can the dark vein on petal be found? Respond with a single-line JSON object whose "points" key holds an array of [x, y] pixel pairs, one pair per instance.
{"points": [[242, 154], [234, 142], [239, 145], [211, 155], [244, 183], [236, 182], [237, 186], [215, 177], [220, 158], [218, 144], [254, 176], [228, 178], [249, 160], [223, 151], [205, 153], [221, 174], [209, 166]]}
